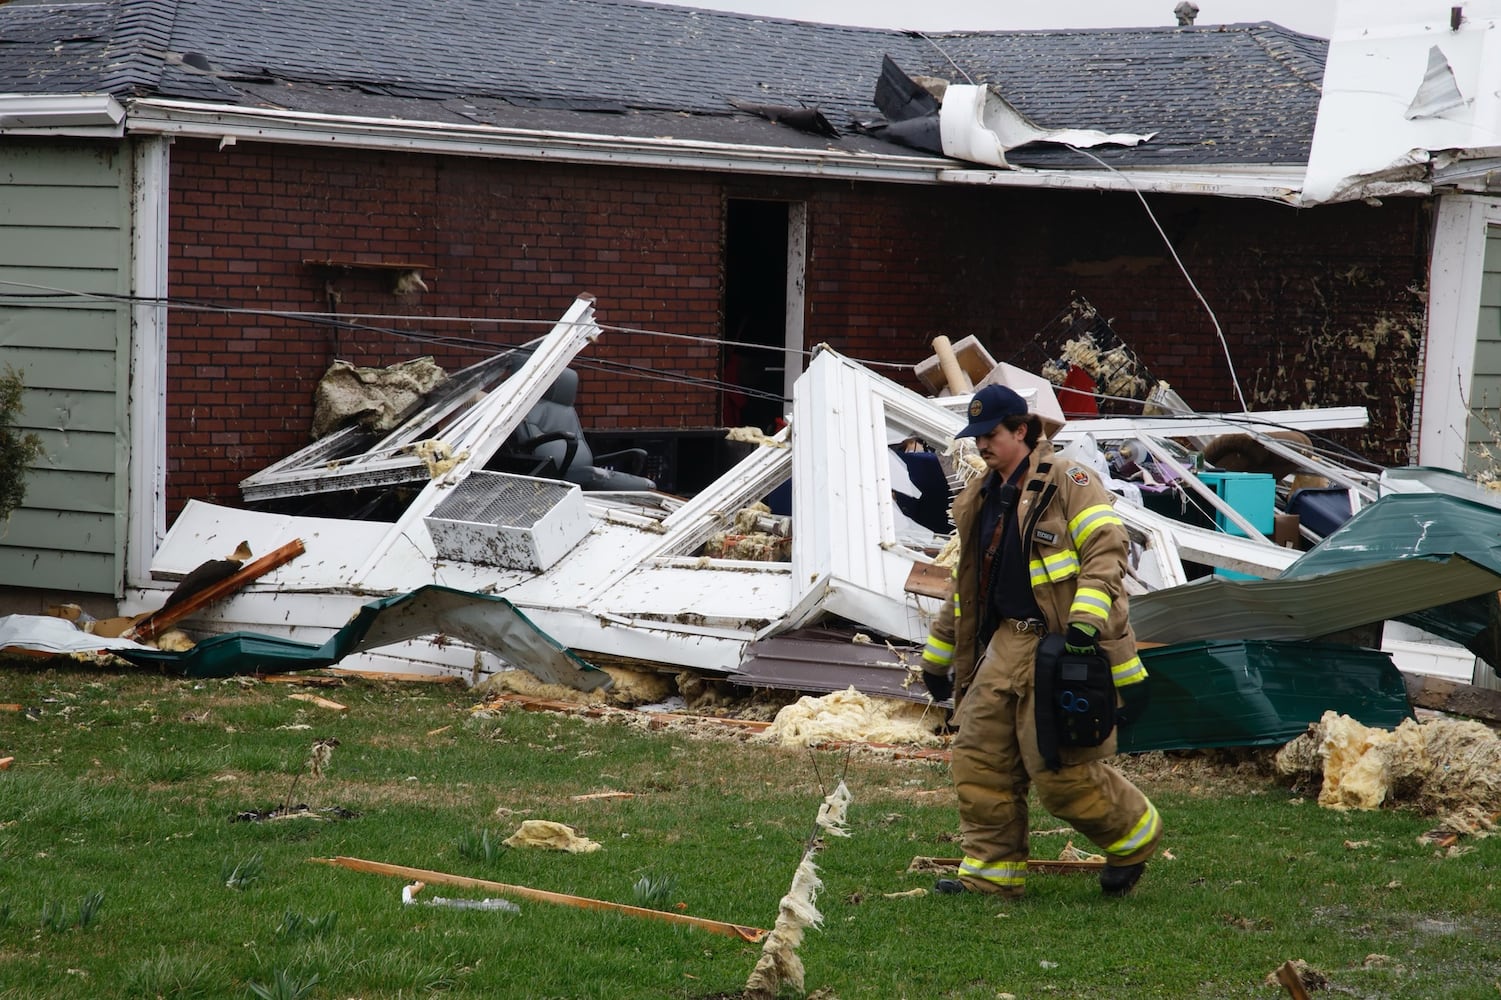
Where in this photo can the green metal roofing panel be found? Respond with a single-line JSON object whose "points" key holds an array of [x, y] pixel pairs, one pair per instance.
{"points": [[1256, 693], [1432, 527], [480, 620], [1408, 556]]}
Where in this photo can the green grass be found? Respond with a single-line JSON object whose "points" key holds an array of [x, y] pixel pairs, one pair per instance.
{"points": [[124, 871]]}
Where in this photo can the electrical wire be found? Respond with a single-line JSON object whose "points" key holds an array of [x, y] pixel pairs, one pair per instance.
{"points": [[347, 322], [1219, 332], [945, 55]]}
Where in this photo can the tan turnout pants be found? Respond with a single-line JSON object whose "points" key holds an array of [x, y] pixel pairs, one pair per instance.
{"points": [[995, 760]]}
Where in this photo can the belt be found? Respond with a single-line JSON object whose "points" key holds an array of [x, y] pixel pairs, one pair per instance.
{"points": [[1036, 625]]}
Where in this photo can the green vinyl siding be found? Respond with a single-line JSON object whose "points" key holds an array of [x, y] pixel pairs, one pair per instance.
{"points": [[65, 228]]}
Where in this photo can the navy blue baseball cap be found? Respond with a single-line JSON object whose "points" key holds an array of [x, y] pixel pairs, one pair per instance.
{"points": [[989, 407]]}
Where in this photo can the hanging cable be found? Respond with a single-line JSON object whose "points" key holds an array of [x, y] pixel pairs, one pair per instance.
{"points": [[1224, 344], [945, 55]]}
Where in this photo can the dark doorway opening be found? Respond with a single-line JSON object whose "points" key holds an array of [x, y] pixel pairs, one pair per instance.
{"points": [[755, 313]]}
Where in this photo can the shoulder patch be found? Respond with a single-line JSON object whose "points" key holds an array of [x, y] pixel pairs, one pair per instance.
{"points": [[1079, 476]]}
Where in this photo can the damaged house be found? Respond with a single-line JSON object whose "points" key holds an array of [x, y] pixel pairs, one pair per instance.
{"points": [[211, 206]]}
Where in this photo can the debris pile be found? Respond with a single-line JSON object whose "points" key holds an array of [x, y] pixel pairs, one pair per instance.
{"points": [[1447, 767], [757, 535]]}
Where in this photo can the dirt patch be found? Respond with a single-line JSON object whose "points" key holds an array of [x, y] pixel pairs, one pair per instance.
{"points": [[1209, 773]]}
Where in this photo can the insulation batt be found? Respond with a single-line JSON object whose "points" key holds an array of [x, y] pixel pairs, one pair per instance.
{"points": [[852, 716], [1448, 766], [552, 836]]}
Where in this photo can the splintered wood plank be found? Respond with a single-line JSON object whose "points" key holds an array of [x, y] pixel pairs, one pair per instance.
{"points": [[544, 896], [157, 622]]}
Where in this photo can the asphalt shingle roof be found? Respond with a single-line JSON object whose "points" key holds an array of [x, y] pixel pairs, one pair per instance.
{"points": [[1237, 94]]}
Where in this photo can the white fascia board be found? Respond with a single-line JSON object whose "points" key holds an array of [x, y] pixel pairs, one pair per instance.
{"points": [[145, 515], [1281, 184], [1208, 424], [1455, 273], [228, 124], [1371, 137], [89, 115]]}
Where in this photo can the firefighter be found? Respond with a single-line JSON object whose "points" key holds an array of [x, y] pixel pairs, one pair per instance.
{"points": [[1041, 551]]}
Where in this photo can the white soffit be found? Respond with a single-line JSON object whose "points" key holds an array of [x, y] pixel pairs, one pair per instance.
{"points": [[1401, 83]]}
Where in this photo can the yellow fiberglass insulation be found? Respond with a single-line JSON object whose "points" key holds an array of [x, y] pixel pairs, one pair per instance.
{"points": [[524, 682], [1443, 765], [850, 715], [1361, 765], [551, 836]]}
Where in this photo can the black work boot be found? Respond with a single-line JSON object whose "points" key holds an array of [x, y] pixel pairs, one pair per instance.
{"points": [[949, 887], [1117, 880]]}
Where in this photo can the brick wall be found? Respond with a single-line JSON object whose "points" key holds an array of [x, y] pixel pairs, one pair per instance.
{"points": [[1318, 307]]}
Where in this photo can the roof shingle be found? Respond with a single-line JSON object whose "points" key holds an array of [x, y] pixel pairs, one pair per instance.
{"points": [[1236, 94]]}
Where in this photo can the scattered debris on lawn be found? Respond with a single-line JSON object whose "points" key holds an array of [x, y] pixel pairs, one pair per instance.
{"points": [[744, 933], [797, 911], [551, 836], [1446, 767], [411, 889], [627, 687], [299, 811], [1072, 853], [1297, 977], [313, 699], [939, 866], [595, 796]]}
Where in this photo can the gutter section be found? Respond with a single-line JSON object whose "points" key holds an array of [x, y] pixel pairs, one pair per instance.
{"points": [[228, 124]]}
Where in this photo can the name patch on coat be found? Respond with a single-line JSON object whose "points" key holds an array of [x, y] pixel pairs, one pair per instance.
{"points": [[1046, 537], [1079, 476]]}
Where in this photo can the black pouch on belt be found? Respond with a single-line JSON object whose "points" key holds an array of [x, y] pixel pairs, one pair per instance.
{"points": [[1075, 700]]}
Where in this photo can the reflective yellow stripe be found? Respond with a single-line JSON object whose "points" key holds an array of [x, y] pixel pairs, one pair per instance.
{"points": [[1143, 833], [1056, 567], [1087, 520], [1011, 874], [1130, 672], [956, 604], [1090, 601], [938, 652]]}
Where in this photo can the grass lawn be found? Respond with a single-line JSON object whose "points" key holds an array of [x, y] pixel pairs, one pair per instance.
{"points": [[126, 870]]}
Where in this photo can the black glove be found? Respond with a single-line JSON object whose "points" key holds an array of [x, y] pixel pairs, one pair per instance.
{"points": [[1135, 698], [940, 686], [1080, 639]]}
